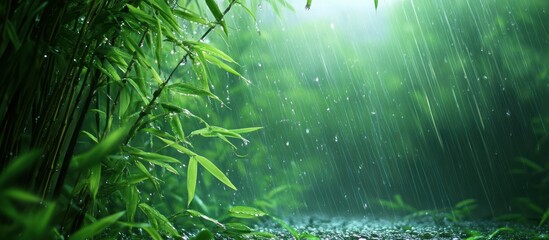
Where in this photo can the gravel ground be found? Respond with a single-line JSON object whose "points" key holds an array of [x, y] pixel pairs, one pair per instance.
{"points": [[407, 228]]}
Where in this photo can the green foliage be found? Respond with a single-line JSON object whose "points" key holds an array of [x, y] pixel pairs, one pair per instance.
{"points": [[104, 89]]}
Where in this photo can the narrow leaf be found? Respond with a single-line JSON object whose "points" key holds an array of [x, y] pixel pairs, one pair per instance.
{"points": [[100, 151], [95, 228], [22, 196], [212, 5], [18, 165], [161, 222], [95, 180], [192, 172], [210, 167], [203, 216], [190, 16], [246, 212], [177, 128], [544, 217]]}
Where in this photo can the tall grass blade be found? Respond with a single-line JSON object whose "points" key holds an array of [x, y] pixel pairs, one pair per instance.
{"points": [[95, 228]]}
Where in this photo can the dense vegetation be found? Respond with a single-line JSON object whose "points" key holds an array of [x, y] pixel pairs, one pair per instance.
{"points": [[95, 118], [138, 117]]}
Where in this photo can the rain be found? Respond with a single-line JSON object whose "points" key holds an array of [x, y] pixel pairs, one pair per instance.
{"points": [[281, 119]]}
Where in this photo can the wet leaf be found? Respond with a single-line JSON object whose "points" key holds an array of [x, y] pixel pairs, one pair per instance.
{"points": [[188, 89], [191, 16], [97, 227], [100, 151], [375, 3], [177, 128], [192, 172], [159, 221], [289, 228], [246, 212], [141, 15], [144, 170], [203, 216], [214, 9], [210, 167], [132, 199], [18, 165], [95, 180]]}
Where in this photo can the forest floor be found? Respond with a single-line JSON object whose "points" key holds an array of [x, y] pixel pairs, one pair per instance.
{"points": [[408, 228]]}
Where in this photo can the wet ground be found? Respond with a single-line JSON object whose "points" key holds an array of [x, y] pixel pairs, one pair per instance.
{"points": [[408, 228]]}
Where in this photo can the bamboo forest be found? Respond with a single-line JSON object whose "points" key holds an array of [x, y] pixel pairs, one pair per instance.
{"points": [[274, 119]]}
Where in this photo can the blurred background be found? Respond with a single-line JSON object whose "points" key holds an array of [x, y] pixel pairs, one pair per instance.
{"points": [[434, 101]]}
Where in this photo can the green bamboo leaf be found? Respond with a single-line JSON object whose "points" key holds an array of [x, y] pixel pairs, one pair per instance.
{"points": [[246, 130], [375, 3], [95, 228], [171, 108], [210, 167], [209, 49], [100, 151], [215, 61], [12, 34], [166, 13], [18, 165], [177, 147], [247, 9], [124, 102], [246, 212], [152, 232], [144, 170], [290, 229], [191, 16], [22, 196], [200, 67], [163, 165], [203, 216], [150, 155], [113, 73], [89, 135], [498, 231], [531, 164], [95, 180], [214, 9], [177, 128], [132, 199], [140, 15], [192, 173], [159, 221], [308, 5], [158, 47], [156, 77], [544, 217], [465, 203], [187, 89], [158, 133]]}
